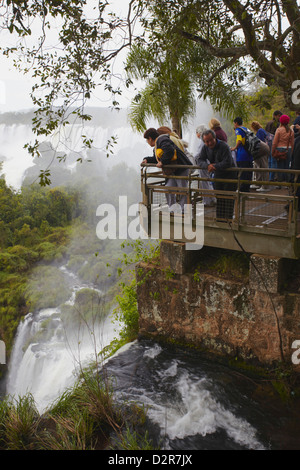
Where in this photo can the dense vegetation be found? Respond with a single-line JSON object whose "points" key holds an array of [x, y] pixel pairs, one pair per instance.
{"points": [[85, 417], [41, 228], [33, 227]]}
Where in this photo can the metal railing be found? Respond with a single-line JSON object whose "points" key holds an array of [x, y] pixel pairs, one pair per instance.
{"points": [[273, 212]]}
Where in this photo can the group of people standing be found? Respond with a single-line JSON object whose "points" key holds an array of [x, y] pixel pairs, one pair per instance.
{"points": [[279, 135], [214, 156]]}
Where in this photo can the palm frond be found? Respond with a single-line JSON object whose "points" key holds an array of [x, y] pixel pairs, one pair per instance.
{"points": [[148, 104]]}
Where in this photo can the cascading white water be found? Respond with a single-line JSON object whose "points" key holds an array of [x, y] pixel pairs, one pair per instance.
{"points": [[182, 401], [48, 353], [200, 413], [15, 158]]}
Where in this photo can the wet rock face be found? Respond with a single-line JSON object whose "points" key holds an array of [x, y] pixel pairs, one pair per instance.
{"points": [[221, 316]]}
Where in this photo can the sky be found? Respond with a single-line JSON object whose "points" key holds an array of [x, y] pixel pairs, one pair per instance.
{"points": [[15, 87]]}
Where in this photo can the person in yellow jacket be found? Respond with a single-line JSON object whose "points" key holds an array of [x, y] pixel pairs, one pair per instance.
{"points": [[166, 152]]}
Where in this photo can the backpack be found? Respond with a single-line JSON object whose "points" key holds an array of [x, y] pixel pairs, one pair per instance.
{"points": [[179, 156], [256, 147]]}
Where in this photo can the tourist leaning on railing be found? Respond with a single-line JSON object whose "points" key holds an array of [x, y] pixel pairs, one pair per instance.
{"points": [[165, 153], [216, 157]]}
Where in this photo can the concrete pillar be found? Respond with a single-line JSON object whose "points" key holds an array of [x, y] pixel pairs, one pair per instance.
{"points": [[270, 273], [174, 256]]}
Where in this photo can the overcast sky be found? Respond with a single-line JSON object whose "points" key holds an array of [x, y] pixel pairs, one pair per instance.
{"points": [[15, 87]]}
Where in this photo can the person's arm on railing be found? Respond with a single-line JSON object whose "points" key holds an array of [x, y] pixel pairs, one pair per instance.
{"points": [[201, 159], [149, 160]]}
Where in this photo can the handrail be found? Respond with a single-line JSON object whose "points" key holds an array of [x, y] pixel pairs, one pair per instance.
{"points": [[232, 169], [238, 170], [237, 195], [256, 215]]}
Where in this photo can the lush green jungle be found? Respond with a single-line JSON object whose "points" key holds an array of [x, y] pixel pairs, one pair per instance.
{"points": [[43, 227]]}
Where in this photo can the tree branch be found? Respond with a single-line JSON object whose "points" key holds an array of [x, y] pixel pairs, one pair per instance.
{"points": [[221, 52], [291, 9], [223, 67]]}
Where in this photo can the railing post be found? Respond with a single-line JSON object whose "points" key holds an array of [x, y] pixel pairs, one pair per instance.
{"points": [[189, 198], [238, 200]]}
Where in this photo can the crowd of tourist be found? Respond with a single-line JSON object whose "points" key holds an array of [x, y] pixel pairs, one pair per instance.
{"points": [[214, 155]]}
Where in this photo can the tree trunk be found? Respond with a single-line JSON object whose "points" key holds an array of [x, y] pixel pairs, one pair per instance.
{"points": [[176, 125]]}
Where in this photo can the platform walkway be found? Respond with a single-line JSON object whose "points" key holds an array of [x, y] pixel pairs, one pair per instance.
{"points": [[266, 223]]}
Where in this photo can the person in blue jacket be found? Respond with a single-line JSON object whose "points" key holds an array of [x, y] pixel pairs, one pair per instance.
{"points": [[243, 157]]}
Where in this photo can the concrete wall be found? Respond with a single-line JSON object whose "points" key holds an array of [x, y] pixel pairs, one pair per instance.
{"points": [[226, 317]]}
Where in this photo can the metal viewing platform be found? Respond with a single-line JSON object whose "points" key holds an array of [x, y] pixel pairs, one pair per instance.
{"points": [[265, 223]]}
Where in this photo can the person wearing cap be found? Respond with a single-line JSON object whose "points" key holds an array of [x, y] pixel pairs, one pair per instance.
{"points": [[283, 142]]}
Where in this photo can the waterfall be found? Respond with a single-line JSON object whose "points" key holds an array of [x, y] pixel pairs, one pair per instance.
{"points": [[130, 146], [47, 367], [16, 159], [49, 351]]}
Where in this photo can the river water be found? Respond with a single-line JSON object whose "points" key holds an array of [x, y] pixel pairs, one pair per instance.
{"points": [[198, 404], [192, 403]]}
